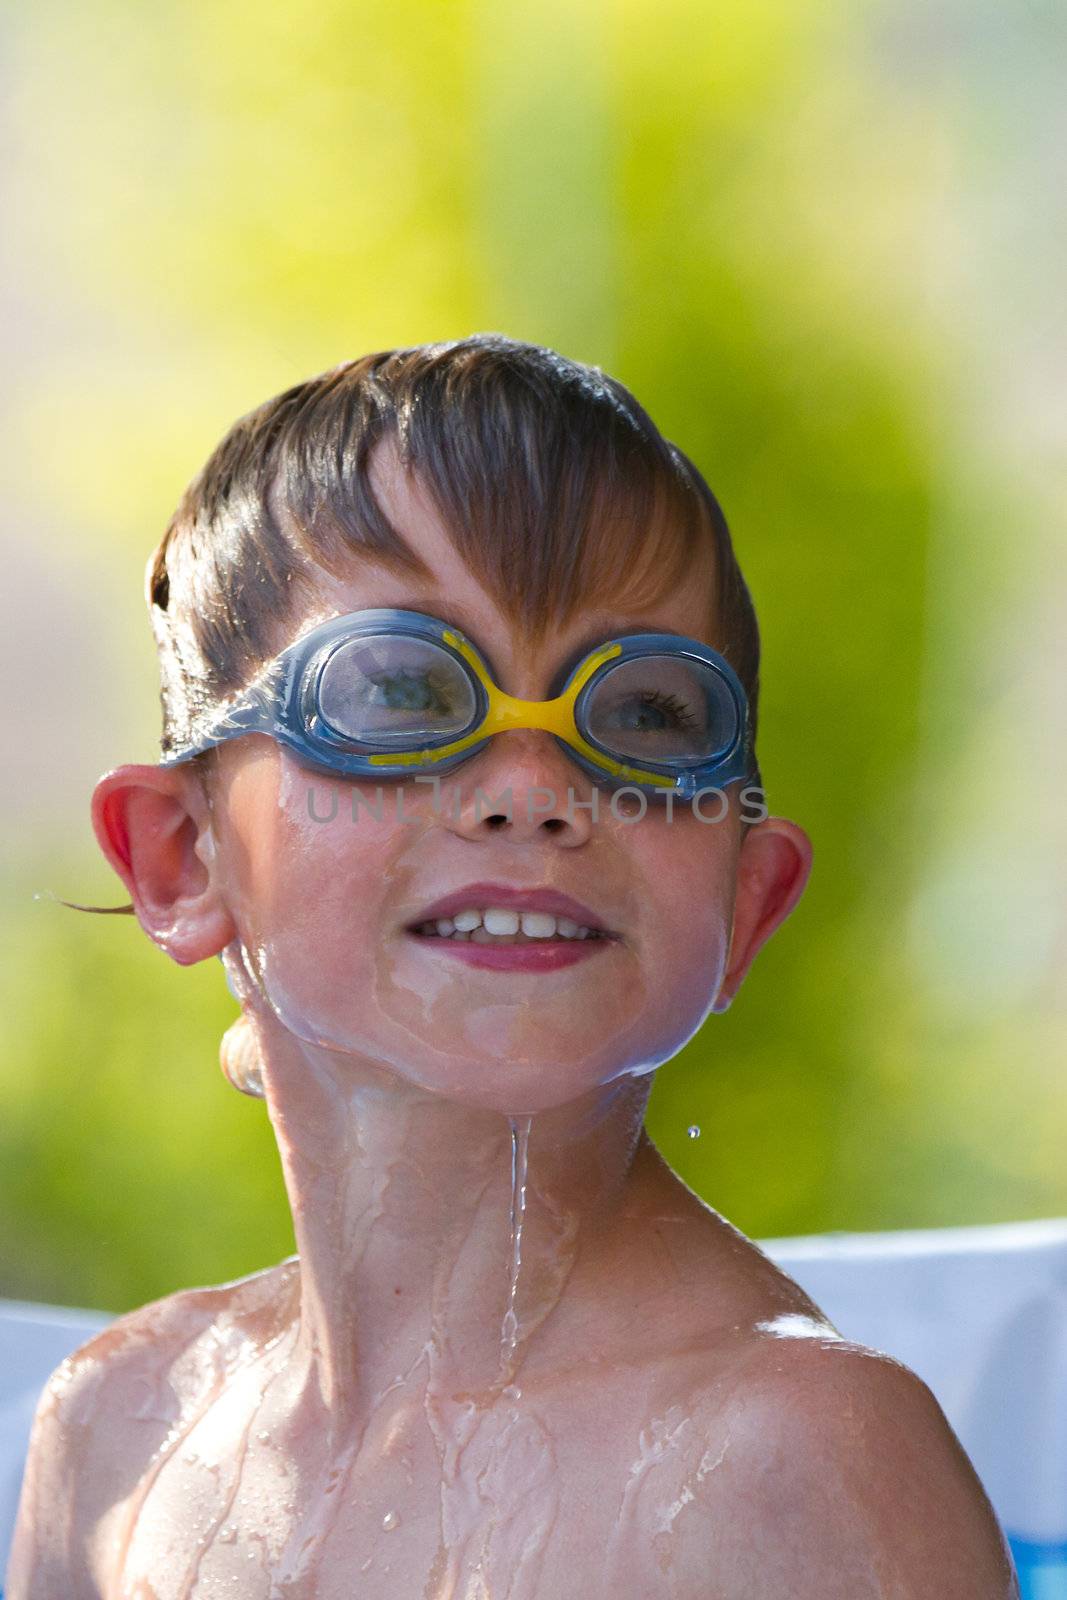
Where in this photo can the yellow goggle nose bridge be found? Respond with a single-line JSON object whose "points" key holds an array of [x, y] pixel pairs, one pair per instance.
{"points": [[555, 716]]}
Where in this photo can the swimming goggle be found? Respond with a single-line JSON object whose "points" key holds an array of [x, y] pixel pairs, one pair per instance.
{"points": [[383, 693]]}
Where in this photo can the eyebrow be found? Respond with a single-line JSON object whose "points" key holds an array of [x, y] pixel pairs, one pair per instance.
{"points": [[602, 633]]}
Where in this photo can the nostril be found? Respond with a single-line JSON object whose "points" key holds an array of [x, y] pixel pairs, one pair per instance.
{"points": [[554, 823]]}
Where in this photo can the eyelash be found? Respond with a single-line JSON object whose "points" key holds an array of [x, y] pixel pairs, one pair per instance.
{"points": [[668, 702]]}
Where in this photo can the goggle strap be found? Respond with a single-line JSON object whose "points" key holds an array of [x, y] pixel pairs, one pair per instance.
{"points": [[246, 715]]}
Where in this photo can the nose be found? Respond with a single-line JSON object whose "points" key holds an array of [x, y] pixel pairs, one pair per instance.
{"points": [[524, 786]]}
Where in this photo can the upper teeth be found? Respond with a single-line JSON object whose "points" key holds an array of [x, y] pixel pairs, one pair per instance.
{"points": [[495, 921]]}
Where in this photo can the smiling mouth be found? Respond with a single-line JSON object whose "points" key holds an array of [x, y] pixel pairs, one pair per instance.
{"points": [[502, 927]]}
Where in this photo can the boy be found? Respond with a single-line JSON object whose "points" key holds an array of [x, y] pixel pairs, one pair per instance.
{"points": [[421, 622]]}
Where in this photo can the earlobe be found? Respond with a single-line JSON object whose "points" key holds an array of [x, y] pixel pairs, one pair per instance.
{"points": [[773, 869]]}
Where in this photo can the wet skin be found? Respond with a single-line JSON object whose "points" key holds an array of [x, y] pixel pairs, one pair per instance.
{"points": [[676, 1417]]}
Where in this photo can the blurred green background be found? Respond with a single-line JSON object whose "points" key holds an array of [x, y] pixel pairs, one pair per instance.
{"points": [[824, 244]]}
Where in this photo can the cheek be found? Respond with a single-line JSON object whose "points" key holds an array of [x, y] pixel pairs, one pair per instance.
{"points": [[308, 895], [688, 870]]}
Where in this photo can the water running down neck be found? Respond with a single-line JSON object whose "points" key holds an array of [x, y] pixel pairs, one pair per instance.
{"points": [[509, 1331]]}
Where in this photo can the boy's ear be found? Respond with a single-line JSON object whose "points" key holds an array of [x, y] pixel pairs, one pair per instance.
{"points": [[149, 821], [773, 867]]}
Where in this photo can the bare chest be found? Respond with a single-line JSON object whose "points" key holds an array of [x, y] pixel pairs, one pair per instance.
{"points": [[579, 1493]]}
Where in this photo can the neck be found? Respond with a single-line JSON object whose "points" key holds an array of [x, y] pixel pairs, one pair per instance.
{"points": [[434, 1235]]}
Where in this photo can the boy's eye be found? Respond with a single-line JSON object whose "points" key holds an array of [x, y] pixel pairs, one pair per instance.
{"points": [[651, 712], [394, 689], [412, 691], [662, 708]]}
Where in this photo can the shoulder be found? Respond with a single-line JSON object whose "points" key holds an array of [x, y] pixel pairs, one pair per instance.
{"points": [[843, 1478], [140, 1350], [103, 1412]]}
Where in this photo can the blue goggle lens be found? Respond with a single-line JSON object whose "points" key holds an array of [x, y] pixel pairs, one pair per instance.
{"points": [[394, 692], [661, 709]]}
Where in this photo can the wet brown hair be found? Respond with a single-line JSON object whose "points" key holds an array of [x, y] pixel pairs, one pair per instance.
{"points": [[554, 484]]}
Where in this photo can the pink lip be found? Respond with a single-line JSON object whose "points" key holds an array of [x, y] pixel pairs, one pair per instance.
{"points": [[479, 896], [548, 956]]}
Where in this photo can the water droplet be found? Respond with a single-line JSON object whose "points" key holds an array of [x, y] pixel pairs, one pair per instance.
{"points": [[694, 1130], [263, 1436], [228, 1534], [390, 1520], [190, 1458], [512, 1392]]}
